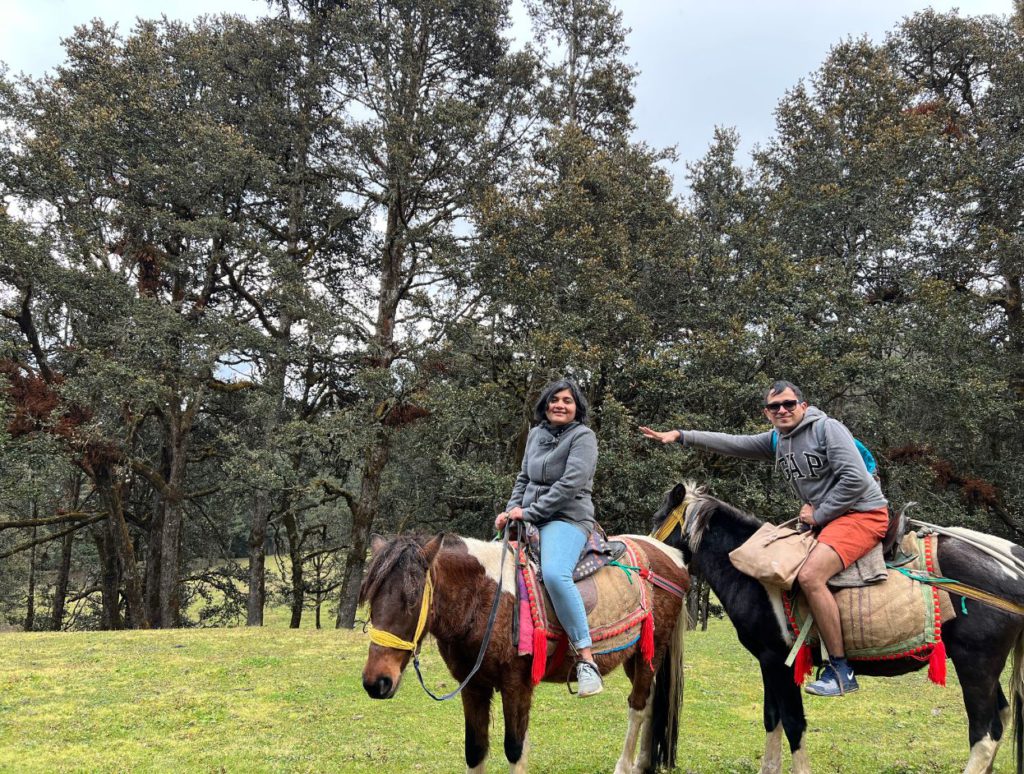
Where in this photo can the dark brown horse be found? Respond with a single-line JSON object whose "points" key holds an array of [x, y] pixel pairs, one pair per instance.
{"points": [[463, 575], [978, 639]]}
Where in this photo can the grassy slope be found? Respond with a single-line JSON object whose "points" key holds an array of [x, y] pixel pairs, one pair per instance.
{"points": [[279, 700]]}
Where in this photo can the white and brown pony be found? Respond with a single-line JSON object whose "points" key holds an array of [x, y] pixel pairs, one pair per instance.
{"points": [[446, 586], [978, 639]]}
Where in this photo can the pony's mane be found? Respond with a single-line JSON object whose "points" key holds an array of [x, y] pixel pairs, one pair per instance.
{"points": [[400, 561], [704, 506]]}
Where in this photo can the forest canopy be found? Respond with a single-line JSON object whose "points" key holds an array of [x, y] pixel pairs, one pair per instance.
{"points": [[268, 286]]}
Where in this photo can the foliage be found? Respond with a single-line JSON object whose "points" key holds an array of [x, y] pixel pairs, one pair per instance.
{"points": [[269, 285]]}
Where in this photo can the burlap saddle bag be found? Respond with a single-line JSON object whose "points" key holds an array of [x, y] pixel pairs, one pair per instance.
{"points": [[774, 554]]}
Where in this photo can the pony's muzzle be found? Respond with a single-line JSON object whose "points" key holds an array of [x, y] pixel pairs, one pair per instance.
{"points": [[381, 687]]}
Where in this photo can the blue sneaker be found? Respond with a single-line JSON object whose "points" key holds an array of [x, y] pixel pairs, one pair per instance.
{"points": [[833, 682]]}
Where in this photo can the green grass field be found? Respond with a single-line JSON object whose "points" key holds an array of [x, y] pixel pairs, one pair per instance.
{"points": [[280, 700]]}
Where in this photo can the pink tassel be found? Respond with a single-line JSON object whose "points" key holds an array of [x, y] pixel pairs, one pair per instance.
{"points": [[937, 664], [803, 664], [647, 640], [540, 655]]}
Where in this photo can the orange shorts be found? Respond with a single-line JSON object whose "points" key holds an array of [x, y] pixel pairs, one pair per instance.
{"points": [[854, 534]]}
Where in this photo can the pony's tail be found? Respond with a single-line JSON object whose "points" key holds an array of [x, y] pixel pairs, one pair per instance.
{"points": [[668, 697], [1017, 702]]}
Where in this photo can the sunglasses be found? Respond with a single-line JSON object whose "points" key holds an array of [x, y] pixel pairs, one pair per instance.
{"points": [[789, 405]]}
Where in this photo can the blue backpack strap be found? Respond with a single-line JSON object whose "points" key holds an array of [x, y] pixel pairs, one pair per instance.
{"points": [[865, 453]]}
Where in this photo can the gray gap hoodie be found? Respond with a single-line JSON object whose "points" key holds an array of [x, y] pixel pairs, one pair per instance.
{"points": [[822, 464], [557, 476]]}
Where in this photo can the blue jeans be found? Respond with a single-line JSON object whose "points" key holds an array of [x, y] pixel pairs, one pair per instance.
{"points": [[560, 547]]}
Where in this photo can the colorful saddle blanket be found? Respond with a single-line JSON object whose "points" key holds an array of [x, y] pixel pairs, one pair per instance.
{"points": [[617, 599], [897, 618]]}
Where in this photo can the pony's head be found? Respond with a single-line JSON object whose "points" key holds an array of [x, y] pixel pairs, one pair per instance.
{"points": [[685, 515], [670, 520], [397, 591]]}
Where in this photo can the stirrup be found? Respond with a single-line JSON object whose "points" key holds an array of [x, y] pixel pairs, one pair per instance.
{"points": [[574, 670]]}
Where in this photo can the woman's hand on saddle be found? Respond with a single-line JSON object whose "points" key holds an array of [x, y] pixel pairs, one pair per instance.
{"points": [[669, 436], [516, 514]]}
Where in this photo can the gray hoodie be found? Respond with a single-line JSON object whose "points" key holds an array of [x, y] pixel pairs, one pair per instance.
{"points": [[822, 464], [557, 476]]}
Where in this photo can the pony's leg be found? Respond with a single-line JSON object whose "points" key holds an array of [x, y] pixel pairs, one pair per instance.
{"points": [[986, 708], [639, 721], [783, 714], [476, 707], [1003, 713], [516, 698], [638, 727]]}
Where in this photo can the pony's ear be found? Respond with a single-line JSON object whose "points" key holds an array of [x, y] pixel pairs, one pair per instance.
{"points": [[377, 542], [677, 495], [433, 545]]}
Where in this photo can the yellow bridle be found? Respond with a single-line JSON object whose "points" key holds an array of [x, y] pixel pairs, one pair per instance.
{"points": [[676, 518], [389, 640]]}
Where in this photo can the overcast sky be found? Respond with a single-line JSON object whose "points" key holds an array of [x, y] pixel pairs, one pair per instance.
{"points": [[701, 63]]}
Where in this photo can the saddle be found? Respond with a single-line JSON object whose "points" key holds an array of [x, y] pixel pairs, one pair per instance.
{"points": [[892, 544], [896, 618], [617, 598], [597, 552]]}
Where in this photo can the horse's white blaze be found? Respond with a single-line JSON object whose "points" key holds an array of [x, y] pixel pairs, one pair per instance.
{"points": [[775, 598], [996, 544], [771, 763], [673, 554], [489, 556], [982, 753], [801, 763]]}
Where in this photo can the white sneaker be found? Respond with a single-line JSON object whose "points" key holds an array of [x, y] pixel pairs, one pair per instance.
{"points": [[588, 679]]}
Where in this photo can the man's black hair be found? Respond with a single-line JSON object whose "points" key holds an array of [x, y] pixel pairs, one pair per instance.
{"points": [[549, 391], [782, 386]]}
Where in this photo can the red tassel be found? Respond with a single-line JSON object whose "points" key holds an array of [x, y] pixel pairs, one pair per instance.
{"points": [[937, 664], [803, 664], [647, 640], [540, 655]]}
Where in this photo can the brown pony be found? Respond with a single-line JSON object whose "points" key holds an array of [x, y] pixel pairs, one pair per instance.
{"points": [[464, 575]]}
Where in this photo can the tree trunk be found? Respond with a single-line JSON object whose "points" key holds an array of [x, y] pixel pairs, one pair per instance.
{"points": [[60, 591], [110, 577], [363, 517], [696, 606], [121, 544], [257, 560], [296, 571], [30, 602], [154, 549], [170, 566], [179, 429]]}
